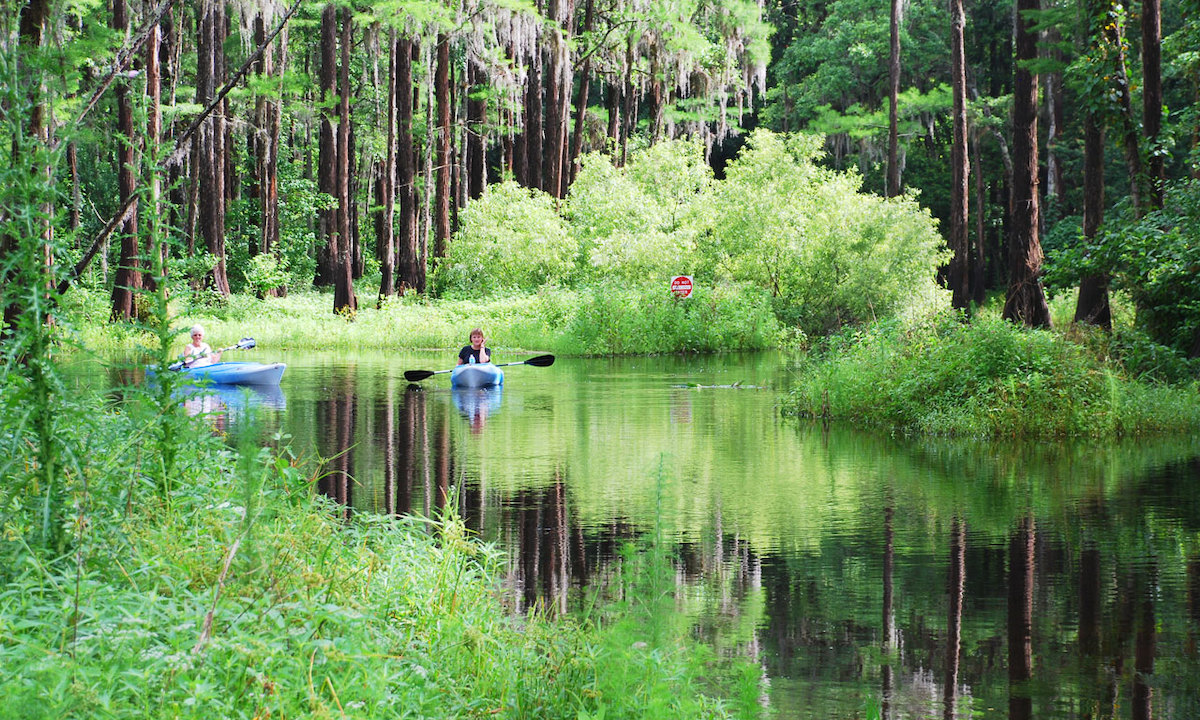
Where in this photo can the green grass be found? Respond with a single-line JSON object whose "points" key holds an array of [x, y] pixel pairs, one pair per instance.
{"points": [[600, 321], [990, 378]]}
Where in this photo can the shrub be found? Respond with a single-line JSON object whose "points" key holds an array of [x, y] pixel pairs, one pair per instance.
{"points": [[828, 254], [511, 238]]}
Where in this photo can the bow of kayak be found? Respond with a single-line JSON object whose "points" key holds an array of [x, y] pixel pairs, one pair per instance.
{"points": [[475, 375], [238, 373]]}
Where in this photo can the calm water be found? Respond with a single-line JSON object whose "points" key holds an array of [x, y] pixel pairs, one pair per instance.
{"points": [[848, 565]]}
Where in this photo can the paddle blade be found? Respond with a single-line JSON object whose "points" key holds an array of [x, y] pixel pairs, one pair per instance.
{"points": [[245, 344], [417, 375], [541, 361]]}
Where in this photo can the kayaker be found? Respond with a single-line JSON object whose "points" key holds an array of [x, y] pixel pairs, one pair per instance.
{"points": [[198, 353], [475, 352]]}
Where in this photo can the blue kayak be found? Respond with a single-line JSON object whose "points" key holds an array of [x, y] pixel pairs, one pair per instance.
{"points": [[237, 373], [476, 375]]}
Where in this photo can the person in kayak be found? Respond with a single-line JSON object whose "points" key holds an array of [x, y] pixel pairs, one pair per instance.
{"points": [[198, 353], [475, 352]]}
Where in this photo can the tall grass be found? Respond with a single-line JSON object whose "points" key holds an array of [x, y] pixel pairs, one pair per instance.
{"points": [[595, 321], [988, 378]]}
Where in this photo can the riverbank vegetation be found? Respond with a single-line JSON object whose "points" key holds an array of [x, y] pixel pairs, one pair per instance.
{"points": [[232, 589], [990, 378]]}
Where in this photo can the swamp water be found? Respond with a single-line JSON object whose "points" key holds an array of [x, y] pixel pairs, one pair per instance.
{"points": [[848, 565]]}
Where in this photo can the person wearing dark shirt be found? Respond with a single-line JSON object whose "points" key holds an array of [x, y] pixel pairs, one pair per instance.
{"points": [[476, 352]]}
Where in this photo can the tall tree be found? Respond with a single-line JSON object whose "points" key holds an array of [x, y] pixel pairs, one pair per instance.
{"points": [[1026, 300], [444, 133], [386, 186], [209, 152], [409, 257], [128, 279], [344, 300], [327, 224], [960, 266], [1152, 98], [893, 158]]}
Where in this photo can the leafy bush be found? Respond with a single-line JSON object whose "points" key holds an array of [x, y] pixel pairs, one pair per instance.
{"points": [[828, 254], [637, 221], [511, 238]]}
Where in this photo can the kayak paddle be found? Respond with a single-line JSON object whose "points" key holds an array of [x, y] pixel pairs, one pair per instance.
{"points": [[538, 361], [243, 344]]}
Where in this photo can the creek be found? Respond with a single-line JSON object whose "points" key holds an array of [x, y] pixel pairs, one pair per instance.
{"points": [[848, 565]]}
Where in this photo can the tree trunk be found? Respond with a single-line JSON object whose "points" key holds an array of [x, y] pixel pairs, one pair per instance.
{"points": [[1133, 153], [344, 300], [327, 154], [960, 276], [128, 280], [1152, 100], [558, 90], [893, 168], [1092, 305], [266, 146], [1026, 301], [581, 102], [476, 131], [1054, 120], [979, 255], [442, 200], [211, 143], [385, 185], [156, 237], [409, 259], [533, 125], [613, 103]]}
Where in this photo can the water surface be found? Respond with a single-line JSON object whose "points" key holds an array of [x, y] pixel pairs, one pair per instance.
{"points": [[849, 565]]}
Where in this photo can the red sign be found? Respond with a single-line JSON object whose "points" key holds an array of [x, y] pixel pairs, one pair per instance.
{"points": [[681, 286]]}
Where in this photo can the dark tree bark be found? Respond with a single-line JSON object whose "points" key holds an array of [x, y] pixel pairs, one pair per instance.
{"points": [[344, 300], [157, 233], [410, 261], [1133, 154], [211, 141], [1092, 305], [893, 168], [960, 276], [1026, 300], [444, 129], [1020, 621], [979, 255], [558, 90], [533, 125], [1054, 120], [613, 104], [476, 131], [128, 280], [1152, 100], [265, 143], [581, 101], [327, 154], [385, 187]]}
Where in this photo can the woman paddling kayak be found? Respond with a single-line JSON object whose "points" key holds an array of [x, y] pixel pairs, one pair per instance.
{"points": [[198, 354]]}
